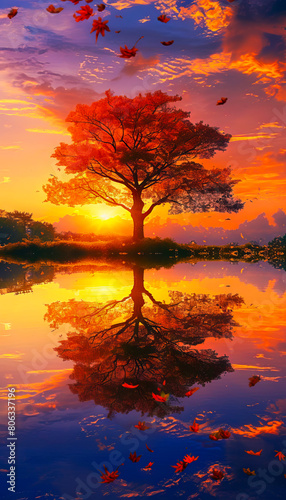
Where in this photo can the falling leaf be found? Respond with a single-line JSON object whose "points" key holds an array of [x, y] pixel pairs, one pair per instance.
{"points": [[148, 467], [118, 31], [195, 427], [127, 53], [84, 13], [191, 391], [141, 426], [170, 42], [280, 455], [100, 27], [133, 457], [54, 10], [217, 474], [149, 449], [161, 399], [249, 472], [221, 101], [129, 386], [250, 452], [163, 18], [108, 477], [100, 7], [13, 12], [254, 380]]}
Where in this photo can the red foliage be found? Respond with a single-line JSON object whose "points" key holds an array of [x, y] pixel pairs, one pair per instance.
{"points": [[221, 101], [13, 12], [141, 426], [100, 27], [163, 18], [191, 391], [84, 13], [109, 477], [54, 10], [195, 427], [170, 42], [217, 474], [133, 457], [254, 380]]}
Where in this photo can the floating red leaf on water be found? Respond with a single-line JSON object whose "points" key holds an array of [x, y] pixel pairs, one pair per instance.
{"points": [[161, 399], [100, 27], [280, 455], [148, 467], [170, 42], [224, 434], [133, 457], [54, 10], [118, 31], [13, 12], [188, 459], [180, 466], [249, 472], [149, 449], [195, 427], [100, 7], [217, 474], [221, 101], [163, 18], [108, 477], [254, 380], [250, 452], [129, 386], [191, 391], [214, 436], [220, 434], [119, 16], [84, 13], [141, 426]]}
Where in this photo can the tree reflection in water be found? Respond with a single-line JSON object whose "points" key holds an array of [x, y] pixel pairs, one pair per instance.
{"points": [[140, 340]]}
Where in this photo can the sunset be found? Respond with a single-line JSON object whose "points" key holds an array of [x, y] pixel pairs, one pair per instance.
{"points": [[143, 249]]}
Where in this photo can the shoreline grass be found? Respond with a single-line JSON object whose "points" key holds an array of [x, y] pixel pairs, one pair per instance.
{"points": [[147, 250]]}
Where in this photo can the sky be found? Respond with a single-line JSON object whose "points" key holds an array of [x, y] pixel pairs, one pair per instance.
{"points": [[236, 49]]}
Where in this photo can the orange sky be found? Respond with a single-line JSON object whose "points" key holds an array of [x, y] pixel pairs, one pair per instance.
{"points": [[49, 63]]}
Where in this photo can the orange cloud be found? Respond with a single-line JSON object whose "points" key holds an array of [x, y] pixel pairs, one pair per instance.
{"points": [[250, 431], [208, 13]]}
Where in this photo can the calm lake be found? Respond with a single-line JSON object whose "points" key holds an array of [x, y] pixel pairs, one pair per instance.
{"points": [[71, 336]]}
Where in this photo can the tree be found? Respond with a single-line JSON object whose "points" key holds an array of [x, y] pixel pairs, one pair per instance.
{"points": [[138, 154], [42, 230], [142, 341]]}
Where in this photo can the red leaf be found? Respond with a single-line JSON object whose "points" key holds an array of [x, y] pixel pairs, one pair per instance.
{"points": [[84, 13], [129, 386], [161, 399], [54, 10], [254, 380], [100, 7], [163, 18], [280, 455], [100, 27], [133, 457], [221, 101], [148, 467], [217, 474], [180, 466], [141, 426], [149, 449], [13, 12], [250, 452], [249, 472], [195, 427], [191, 391], [108, 477], [188, 459], [170, 42]]}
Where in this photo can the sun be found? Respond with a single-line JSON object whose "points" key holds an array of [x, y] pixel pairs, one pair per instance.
{"points": [[104, 215]]}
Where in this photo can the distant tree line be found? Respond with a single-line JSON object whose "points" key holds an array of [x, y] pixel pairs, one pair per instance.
{"points": [[18, 226]]}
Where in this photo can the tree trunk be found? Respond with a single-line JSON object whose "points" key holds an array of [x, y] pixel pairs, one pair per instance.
{"points": [[138, 290], [137, 217]]}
